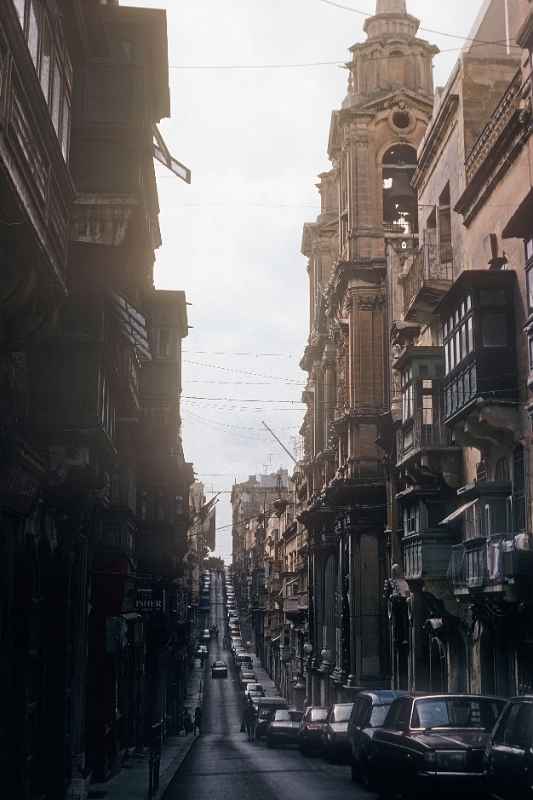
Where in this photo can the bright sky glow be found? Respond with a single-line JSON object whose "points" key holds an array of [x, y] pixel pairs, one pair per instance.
{"points": [[255, 141]]}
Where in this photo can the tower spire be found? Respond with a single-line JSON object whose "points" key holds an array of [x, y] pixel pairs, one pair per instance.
{"points": [[391, 7]]}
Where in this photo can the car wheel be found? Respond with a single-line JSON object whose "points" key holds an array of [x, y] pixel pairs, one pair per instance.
{"points": [[270, 742]]}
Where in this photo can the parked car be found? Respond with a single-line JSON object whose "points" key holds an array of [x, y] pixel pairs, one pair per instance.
{"points": [[310, 734], [201, 650], [246, 676], [284, 727], [433, 742], [219, 670], [509, 753], [368, 715], [335, 732], [206, 635], [244, 659], [266, 708], [254, 688]]}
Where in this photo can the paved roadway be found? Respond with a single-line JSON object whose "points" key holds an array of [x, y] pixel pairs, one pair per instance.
{"points": [[223, 766]]}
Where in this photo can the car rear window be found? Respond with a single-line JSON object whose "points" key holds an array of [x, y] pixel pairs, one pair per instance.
{"points": [[318, 714], [377, 718], [341, 713], [282, 716], [456, 712]]}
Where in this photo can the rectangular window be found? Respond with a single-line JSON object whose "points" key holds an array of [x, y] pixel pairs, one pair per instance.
{"points": [[46, 63], [33, 33], [56, 99], [19, 8], [470, 335], [494, 330], [65, 137]]}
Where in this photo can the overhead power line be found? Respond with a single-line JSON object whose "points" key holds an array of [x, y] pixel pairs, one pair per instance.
{"points": [[242, 400], [282, 379], [368, 15]]}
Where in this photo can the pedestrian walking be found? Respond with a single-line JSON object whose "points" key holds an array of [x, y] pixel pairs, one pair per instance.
{"points": [[187, 722], [249, 720], [198, 720]]}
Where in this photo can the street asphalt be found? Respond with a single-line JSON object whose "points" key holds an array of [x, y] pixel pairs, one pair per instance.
{"points": [[223, 765]]}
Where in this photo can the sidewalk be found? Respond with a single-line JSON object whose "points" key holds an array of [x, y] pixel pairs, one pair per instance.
{"points": [[131, 783]]}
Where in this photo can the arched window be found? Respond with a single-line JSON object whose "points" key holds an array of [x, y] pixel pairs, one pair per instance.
{"points": [[400, 207]]}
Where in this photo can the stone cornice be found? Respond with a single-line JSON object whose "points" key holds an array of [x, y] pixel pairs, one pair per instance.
{"points": [[435, 136]]}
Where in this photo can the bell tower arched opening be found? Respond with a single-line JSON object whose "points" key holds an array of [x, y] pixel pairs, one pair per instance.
{"points": [[400, 207]]}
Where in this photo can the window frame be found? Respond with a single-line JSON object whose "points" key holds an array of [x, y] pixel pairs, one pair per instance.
{"points": [[458, 331]]}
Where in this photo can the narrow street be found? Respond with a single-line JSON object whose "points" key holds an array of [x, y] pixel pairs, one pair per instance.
{"points": [[222, 764]]}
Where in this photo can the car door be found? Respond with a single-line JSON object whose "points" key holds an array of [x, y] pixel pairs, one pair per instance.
{"points": [[360, 723], [389, 745], [511, 755]]}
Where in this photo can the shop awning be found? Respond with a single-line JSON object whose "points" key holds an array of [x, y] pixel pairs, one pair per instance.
{"points": [[458, 513]]}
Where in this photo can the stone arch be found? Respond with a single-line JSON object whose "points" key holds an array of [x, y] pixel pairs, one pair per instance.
{"points": [[400, 202]]}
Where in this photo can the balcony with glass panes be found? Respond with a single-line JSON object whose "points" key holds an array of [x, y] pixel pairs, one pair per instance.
{"points": [[496, 553], [477, 318], [421, 428], [426, 547], [529, 325]]}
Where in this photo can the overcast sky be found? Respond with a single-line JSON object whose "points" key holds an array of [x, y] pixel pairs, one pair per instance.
{"points": [[255, 140]]}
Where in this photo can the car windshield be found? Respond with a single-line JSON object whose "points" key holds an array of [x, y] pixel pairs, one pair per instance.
{"points": [[456, 712], [341, 713], [377, 718], [318, 714], [282, 716]]}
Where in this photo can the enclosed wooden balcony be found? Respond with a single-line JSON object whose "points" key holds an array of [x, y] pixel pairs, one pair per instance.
{"points": [[478, 328], [426, 555], [422, 428]]}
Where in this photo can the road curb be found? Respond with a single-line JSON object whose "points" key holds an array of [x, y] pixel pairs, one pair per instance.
{"points": [[172, 770]]}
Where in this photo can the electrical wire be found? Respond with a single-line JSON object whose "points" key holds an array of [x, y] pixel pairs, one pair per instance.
{"points": [[242, 371], [368, 15], [241, 400], [232, 353]]}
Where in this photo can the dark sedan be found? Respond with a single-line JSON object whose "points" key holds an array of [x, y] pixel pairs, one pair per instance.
{"points": [[335, 732], [433, 742], [266, 708], [368, 715], [310, 735], [510, 751], [219, 670], [284, 727]]}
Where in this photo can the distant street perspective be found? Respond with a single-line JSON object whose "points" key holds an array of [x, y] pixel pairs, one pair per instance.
{"points": [[266, 399]]}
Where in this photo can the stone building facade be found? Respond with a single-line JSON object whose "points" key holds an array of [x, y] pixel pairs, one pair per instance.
{"points": [[458, 448], [416, 474], [368, 205]]}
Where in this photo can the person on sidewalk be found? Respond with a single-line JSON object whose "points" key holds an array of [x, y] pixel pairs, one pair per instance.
{"points": [[198, 720], [249, 720], [187, 722]]}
